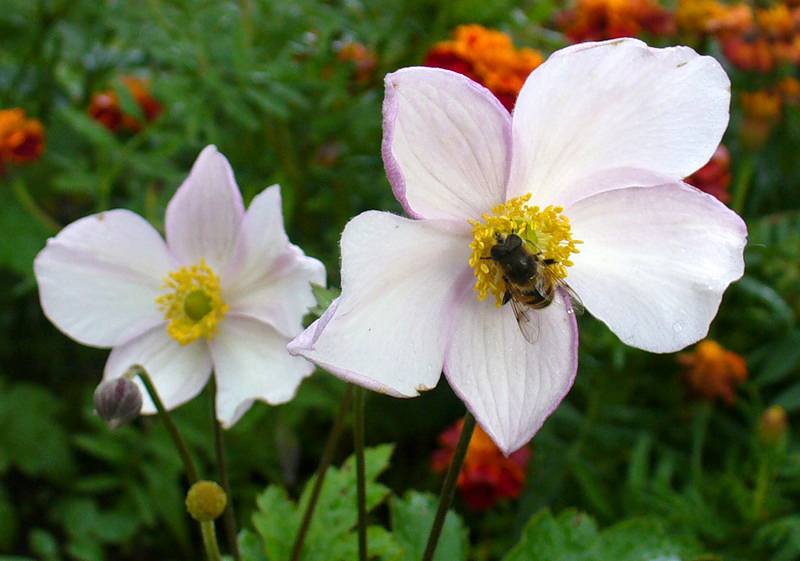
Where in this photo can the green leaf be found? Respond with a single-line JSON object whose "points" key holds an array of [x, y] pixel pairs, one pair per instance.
{"points": [[330, 536], [32, 436], [8, 522], [91, 130], [412, 518], [573, 536], [324, 298], [25, 236], [548, 538]]}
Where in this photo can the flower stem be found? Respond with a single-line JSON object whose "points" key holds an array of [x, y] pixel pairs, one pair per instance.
{"points": [[207, 527], [449, 485], [210, 540], [361, 485], [743, 180], [222, 472], [327, 457], [180, 444], [27, 201]]}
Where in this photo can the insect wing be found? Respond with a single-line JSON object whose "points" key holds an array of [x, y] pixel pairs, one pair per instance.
{"points": [[527, 320], [572, 302]]}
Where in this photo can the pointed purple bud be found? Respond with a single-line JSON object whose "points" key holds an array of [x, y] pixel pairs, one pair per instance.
{"points": [[117, 401]]}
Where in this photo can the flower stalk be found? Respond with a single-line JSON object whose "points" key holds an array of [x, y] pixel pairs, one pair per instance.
{"points": [[361, 487], [229, 516], [210, 540], [191, 471], [325, 461], [449, 486]]}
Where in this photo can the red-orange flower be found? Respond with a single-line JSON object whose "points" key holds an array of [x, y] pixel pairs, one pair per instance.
{"points": [[715, 177], [487, 56], [487, 475], [759, 39], [706, 17], [361, 57], [105, 107], [593, 20], [21, 139], [713, 371], [762, 111]]}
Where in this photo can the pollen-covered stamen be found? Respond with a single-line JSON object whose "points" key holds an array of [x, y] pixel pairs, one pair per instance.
{"points": [[192, 305], [546, 231]]}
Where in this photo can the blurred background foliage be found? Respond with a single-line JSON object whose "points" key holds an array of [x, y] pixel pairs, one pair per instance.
{"points": [[106, 104]]}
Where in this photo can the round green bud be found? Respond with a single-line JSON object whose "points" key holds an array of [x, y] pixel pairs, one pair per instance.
{"points": [[206, 501]]}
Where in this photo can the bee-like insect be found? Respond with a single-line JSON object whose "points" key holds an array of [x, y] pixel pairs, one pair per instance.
{"points": [[531, 283]]}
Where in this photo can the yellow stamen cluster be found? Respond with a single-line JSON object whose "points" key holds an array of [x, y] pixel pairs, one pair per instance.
{"points": [[193, 303], [546, 231]]}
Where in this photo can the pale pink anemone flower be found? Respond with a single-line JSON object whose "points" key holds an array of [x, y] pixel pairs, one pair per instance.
{"points": [[600, 138], [226, 292]]}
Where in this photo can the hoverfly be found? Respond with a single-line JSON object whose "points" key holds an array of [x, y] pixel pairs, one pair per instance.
{"points": [[530, 283]]}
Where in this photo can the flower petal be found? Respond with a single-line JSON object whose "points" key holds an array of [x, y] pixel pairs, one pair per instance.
{"points": [[203, 217], [251, 362], [178, 371], [387, 331], [605, 108], [510, 385], [100, 276], [269, 278], [655, 262], [445, 144]]}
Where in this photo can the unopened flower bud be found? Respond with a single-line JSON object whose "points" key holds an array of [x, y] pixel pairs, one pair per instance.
{"points": [[117, 401], [772, 425], [205, 501]]}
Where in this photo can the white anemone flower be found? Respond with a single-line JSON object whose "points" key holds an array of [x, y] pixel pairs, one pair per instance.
{"points": [[226, 292], [600, 139]]}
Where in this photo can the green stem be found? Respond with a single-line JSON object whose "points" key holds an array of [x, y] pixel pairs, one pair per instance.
{"points": [[172, 429], [700, 430], [743, 180], [449, 485], [760, 492], [210, 540], [361, 485], [229, 516], [29, 204], [327, 457]]}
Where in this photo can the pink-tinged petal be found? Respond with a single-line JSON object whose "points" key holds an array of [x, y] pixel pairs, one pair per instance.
{"points": [[251, 362], [445, 144], [204, 216], [388, 330], [178, 371], [599, 109], [269, 278], [655, 262], [100, 276], [509, 384]]}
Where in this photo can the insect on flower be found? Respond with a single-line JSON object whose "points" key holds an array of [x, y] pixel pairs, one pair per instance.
{"points": [[579, 192], [530, 282]]}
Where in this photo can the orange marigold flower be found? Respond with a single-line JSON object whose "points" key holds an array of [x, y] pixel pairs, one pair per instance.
{"points": [[362, 58], [105, 107], [789, 88], [715, 177], [712, 371], [21, 139], [762, 110], [593, 20], [758, 39], [487, 56], [487, 475], [710, 16]]}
